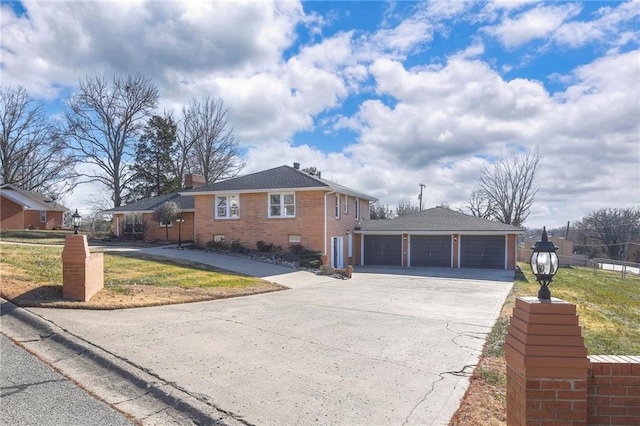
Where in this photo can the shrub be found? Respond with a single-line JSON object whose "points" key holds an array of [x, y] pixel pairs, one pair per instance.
{"points": [[296, 248], [264, 247], [219, 245], [236, 247], [310, 259]]}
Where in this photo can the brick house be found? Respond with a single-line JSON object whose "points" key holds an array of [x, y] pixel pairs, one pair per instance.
{"points": [[21, 209], [283, 206], [135, 220]]}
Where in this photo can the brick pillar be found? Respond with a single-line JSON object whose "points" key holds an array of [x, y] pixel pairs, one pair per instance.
{"points": [[547, 364], [82, 272]]}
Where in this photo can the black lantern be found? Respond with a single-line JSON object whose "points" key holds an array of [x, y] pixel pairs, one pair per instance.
{"points": [[180, 220], [76, 220], [544, 264]]}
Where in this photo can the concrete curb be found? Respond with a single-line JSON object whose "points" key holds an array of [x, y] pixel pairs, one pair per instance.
{"points": [[123, 385]]}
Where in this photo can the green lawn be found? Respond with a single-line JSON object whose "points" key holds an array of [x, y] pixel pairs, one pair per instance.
{"points": [[43, 266], [608, 307], [34, 236]]}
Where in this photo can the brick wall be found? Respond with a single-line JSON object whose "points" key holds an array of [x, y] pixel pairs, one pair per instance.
{"points": [[614, 390], [254, 223], [552, 381], [153, 231], [12, 216]]}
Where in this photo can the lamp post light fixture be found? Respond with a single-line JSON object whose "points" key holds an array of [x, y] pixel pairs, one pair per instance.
{"points": [[76, 220], [180, 220], [544, 264]]}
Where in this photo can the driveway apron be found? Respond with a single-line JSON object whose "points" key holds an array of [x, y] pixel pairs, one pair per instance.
{"points": [[380, 348]]}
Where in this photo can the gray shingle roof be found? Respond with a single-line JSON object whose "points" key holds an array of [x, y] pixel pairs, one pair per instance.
{"points": [[23, 196], [283, 177], [150, 204], [437, 219]]}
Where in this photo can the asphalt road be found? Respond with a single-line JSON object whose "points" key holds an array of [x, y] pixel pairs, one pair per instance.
{"points": [[32, 393]]}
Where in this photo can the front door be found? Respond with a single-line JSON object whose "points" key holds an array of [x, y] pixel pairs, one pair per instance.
{"points": [[337, 255]]}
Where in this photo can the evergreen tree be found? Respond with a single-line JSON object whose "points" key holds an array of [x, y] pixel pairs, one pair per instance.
{"points": [[154, 171]]}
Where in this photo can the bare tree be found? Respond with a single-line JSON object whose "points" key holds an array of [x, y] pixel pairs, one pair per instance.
{"points": [[209, 135], [380, 211], [165, 213], [32, 157], [103, 121], [611, 230], [479, 205], [506, 189], [405, 208]]}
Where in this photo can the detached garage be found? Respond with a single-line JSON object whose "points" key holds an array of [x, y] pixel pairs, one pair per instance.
{"points": [[438, 237]]}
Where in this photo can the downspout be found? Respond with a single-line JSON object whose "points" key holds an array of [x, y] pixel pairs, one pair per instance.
{"points": [[326, 220]]}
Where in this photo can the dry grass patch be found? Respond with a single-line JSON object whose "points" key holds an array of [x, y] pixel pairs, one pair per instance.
{"points": [[32, 276]]}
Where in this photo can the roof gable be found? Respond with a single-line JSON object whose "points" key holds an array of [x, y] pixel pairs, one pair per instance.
{"points": [[30, 200], [438, 219]]}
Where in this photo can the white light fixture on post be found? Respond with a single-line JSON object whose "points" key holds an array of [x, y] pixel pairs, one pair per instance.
{"points": [[544, 264]]}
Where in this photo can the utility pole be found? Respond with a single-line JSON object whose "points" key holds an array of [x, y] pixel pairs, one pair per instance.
{"points": [[422, 186]]}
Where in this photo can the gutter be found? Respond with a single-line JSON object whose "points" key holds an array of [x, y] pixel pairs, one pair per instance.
{"points": [[326, 219]]}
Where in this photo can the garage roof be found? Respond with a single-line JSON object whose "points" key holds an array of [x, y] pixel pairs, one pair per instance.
{"points": [[438, 219]]}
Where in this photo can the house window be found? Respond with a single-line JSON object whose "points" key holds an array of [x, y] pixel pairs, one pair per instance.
{"points": [[337, 206], [133, 224], [357, 208], [346, 204], [228, 206], [165, 224], [218, 238], [43, 216], [295, 238], [282, 205]]}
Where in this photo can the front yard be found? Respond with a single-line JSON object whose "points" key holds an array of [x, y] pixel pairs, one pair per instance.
{"points": [[32, 276]]}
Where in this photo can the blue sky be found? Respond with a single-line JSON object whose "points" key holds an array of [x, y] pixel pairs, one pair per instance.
{"points": [[380, 96]]}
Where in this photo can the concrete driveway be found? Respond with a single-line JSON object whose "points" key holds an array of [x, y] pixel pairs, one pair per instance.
{"points": [[387, 347]]}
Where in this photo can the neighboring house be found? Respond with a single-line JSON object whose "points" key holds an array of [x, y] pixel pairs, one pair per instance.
{"points": [[135, 220], [439, 237], [283, 206], [21, 209]]}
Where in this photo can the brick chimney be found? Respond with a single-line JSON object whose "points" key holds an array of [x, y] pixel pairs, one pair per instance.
{"points": [[193, 181]]}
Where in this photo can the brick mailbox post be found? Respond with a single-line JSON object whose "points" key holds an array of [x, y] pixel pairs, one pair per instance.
{"points": [[547, 364], [82, 271]]}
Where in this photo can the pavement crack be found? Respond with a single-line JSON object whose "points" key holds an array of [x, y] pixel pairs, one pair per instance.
{"points": [[424, 398], [463, 372]]}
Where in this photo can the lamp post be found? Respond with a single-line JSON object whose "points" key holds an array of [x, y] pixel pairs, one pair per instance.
{"points": [[76, 220], [179, 219], [544, 264]]}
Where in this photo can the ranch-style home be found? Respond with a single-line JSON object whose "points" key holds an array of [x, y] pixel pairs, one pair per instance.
{"points": [[21, 209]]}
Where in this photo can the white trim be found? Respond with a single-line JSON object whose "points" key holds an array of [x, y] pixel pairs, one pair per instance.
{"points": [[326, 220], [227, 198], [281, 205]]}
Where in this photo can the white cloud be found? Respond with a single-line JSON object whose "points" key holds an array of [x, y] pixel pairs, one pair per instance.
{"points": [[435, 122], [535, 23]]}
